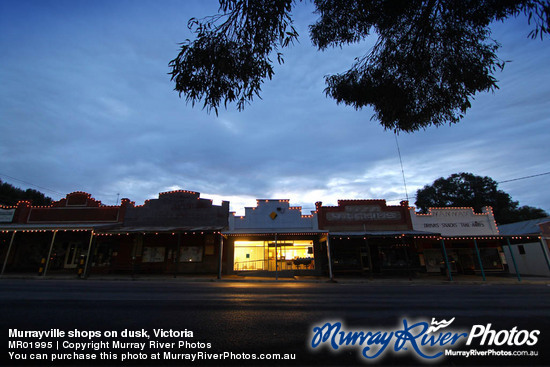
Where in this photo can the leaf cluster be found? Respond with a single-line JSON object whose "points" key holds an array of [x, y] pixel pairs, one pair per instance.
{"points": [[430, 59], [230, 57], [11, 195]]}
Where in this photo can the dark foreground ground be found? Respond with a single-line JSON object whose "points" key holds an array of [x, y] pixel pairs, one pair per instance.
{"points": [[247, 320]]}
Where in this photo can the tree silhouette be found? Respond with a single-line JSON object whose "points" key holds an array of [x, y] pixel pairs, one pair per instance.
{"points": [[11, 195], [468, 190], [431, 57]]}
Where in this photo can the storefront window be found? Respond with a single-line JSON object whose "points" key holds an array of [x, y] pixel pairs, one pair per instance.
{"points": [[490, 259], [102, 254], [462, 260], [191, 254], [434, 260], [266, 255], [153, 254]]}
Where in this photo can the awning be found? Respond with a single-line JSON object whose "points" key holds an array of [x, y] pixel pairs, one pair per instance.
{"points": [[54, 226], [161, 229], [273, 232], [407, 233]]}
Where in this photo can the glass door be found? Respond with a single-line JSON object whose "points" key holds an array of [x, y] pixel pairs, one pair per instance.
{"points": [[74, 250]]}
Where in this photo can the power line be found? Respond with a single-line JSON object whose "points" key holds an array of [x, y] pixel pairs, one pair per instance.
{"points": [[524, 177], [402, 170], [31, 184]]}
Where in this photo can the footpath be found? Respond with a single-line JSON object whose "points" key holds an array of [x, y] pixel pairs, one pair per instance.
{"points": [[421, 279]]}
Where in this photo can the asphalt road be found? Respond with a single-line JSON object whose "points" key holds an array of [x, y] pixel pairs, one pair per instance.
{"points": [[256, 318]]}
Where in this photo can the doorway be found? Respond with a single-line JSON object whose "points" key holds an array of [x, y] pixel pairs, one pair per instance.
{"points": [[74, 250]]}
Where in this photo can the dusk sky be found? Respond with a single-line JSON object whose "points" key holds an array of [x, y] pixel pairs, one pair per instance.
{"points": [[86, 104]]}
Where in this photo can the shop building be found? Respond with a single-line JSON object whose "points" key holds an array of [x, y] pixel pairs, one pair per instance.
{"points": [[56, 238], [531, 256], [370, 237], [470, 243], [178, 233], [275, 239], [182, 233]]}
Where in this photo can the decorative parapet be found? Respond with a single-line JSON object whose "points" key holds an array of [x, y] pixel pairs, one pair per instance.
{"points": [[364, 215], [273, 214]]}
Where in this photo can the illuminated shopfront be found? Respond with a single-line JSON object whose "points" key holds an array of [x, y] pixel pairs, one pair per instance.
{"points": [[275, 237]]}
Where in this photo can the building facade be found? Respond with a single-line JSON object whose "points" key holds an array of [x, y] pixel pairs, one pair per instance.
{"points": [[274, 238], [178, 233], [531, 257], [182, 233], [467, 241], [55, 238], [370, 237]]}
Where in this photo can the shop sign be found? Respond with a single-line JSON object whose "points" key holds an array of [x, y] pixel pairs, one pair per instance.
{"points": [[473, 224], [363, 213], [455, 222], [6, 215]]}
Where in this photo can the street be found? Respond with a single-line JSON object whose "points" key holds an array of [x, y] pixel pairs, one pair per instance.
{"points": [[257, 318]]}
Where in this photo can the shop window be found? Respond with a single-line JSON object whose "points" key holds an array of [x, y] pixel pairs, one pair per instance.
{"points": [[434, 260], [394, 257], [345, 257], [153, 254], [191, 254], [266, 255], [490, 258], [209, 249], [102, 255]]}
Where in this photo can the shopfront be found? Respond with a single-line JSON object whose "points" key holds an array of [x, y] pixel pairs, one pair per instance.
{"points": [[178, 233], [469, 242], [275, 237], [267, 255], [55, 239], [464, 255], [370, 237], [528, 246]]}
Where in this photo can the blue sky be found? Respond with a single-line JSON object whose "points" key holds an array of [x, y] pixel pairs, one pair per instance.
{"points": [[86, 104]]}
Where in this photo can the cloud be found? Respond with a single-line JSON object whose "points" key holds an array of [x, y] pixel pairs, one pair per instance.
{"points": [[86, 104]]}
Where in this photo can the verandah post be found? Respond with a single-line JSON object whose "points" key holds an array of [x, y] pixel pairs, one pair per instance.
{"points": [[513, 259], [49, 253], [8, 253], [446, 260], [479, 259]]}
